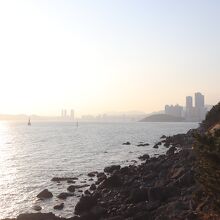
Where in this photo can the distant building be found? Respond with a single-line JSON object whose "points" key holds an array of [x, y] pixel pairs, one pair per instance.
{"points": [[197, 112], [200, 109], [176, 110], [72, 114]]}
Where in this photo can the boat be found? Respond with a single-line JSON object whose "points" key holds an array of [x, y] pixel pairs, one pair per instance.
{"points": [[29, 122]]}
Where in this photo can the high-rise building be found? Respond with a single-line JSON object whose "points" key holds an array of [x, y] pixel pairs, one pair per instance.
{"points": [[189, 102], [199, 100], [72, 114], [200, 109]]}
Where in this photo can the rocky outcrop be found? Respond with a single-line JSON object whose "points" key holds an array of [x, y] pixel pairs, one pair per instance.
{"points": [[45, 194]]}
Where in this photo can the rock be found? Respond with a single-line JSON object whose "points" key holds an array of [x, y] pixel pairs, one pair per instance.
{"points": [[171, 151], [93, 187], [71, 181], [138, 195], [163, 137], [112, 168], [71, 188], [64, 195], [85, 204], [36, 208], [126, 143], [144, 157], [59, 179], [156, 146], [92, 174], [112, 181], [37, 216], [45, 194], [143, 145], [59, 207]]}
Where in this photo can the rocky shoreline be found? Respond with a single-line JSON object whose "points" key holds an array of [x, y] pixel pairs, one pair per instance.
{"points": [[160, 188]]}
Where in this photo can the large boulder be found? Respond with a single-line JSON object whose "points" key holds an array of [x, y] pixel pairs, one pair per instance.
{"points": [[85, 204], [45, 194]]}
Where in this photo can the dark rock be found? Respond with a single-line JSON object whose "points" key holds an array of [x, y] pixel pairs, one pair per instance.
{"points": [[163, 136], [126, 143], [59, 179], [92, 174], [93, 187], [144, 157], [143, 144], [64, 195], [112, 168], [112, 181], [38, 216], [156, 146], [138, 195], [85, 204], [59, 207], [171, 151], [36, 208], [71, 188], [45, 194]]}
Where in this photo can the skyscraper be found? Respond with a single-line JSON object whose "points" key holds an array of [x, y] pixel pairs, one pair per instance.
{"points": [[200, 106], [199, 100], [72, 114]]}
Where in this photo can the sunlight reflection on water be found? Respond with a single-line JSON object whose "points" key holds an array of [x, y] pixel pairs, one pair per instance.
{"points": [[31, 156]]}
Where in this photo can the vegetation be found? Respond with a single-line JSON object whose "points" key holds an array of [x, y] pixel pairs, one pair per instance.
{"points": [[207, 148], [212, 117]]}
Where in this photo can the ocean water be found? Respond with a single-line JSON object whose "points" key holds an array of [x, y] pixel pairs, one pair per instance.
{"points": [[30, 156]]}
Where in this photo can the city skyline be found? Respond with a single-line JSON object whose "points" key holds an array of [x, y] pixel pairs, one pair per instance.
{"points": [[100, 56]]}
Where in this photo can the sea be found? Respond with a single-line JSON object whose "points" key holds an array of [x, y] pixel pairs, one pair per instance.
{"points": [[30, 156]]}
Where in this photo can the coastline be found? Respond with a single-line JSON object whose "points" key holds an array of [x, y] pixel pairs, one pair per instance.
{"points": [[159, 188]]}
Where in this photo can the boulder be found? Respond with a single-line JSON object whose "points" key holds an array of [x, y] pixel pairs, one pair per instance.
{"points": [[36, 208], [45, 194], [71, 188], [112, 168], [171, 151], [144, 157], [64, 195], [112, 181], [59, 207], [126, 143], [85, 204]]}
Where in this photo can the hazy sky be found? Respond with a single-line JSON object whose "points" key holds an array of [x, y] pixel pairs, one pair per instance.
{"points": [[107, 55]]}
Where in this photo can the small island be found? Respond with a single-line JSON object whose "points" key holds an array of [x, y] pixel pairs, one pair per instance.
{"points": [[162, 118]]}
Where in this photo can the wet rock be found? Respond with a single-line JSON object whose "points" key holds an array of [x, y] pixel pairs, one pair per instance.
{"points": [[163, 137], [71, 188], [112, 168], [59, 179], [144, 157], [171, 151], [93, 187], [59, 207], [36, 208], [92, 174], [126, 143], [112, 181], [156, 146], [85, 204], [143, 144], [38, 216], [64, 195], [45, 194], [138, 195]]}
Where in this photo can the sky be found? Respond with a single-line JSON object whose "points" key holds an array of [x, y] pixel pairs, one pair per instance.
{"points": [[101, 56]]}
